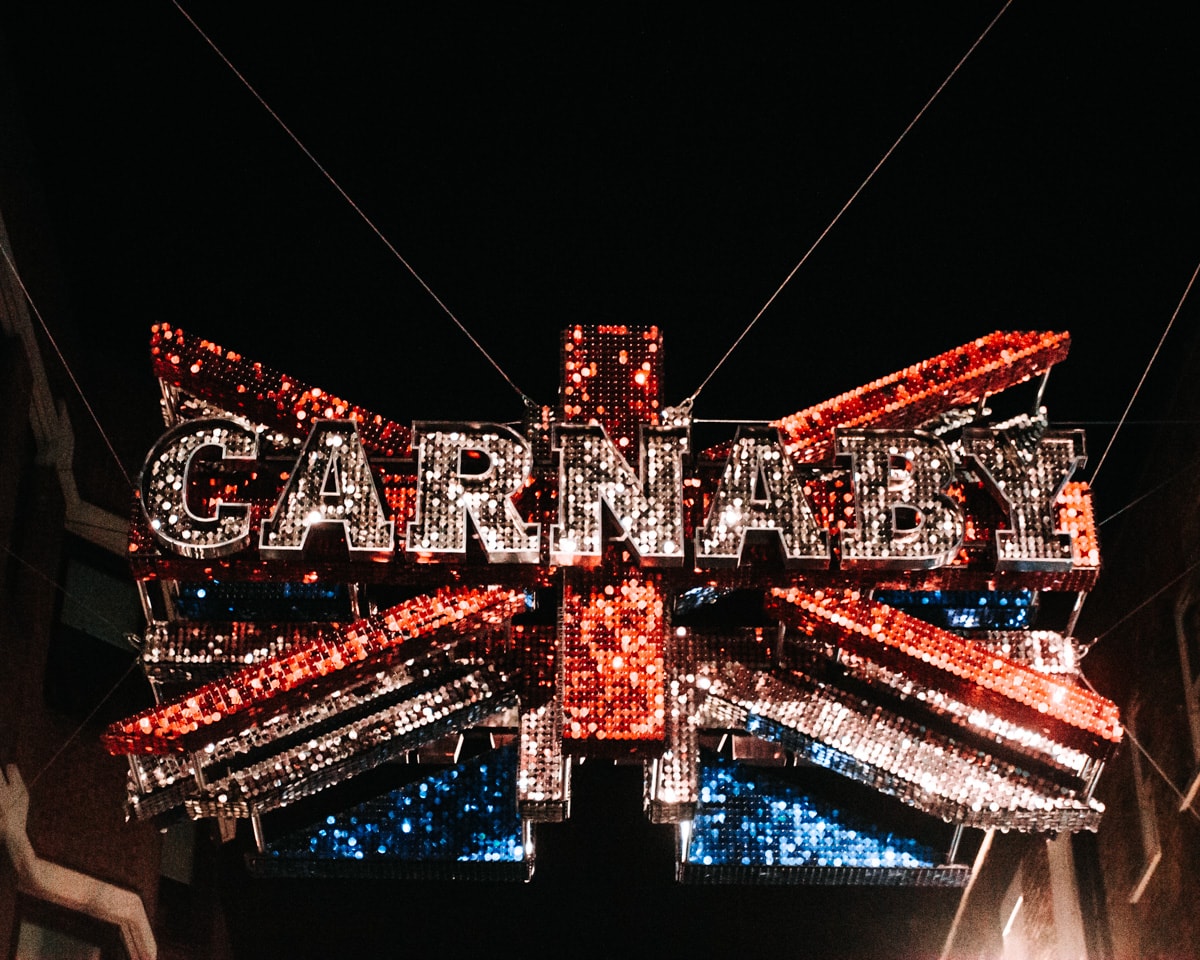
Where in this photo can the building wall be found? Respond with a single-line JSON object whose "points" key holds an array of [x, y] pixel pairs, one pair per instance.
{"points": [[76, 815], [1136, 882], [1141, 659], [76, 810]]}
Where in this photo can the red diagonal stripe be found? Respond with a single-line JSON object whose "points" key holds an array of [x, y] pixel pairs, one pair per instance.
{"points": [[868, 627], [905, 399], [227, 380], [166, 728]]}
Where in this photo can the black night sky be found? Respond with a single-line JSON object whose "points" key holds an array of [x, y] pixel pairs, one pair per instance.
{"points": [[540, 167]]}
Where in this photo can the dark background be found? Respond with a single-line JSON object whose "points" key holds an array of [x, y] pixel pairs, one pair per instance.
{"points": [[540, 167]]}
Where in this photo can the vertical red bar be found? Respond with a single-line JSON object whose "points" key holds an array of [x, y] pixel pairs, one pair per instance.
{"points": [[611, 640], [611, 635], [613, 375]]}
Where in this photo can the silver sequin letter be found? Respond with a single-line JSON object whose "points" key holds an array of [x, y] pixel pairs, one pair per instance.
{"points": [[164, 489], [471, 470], [330, 483]]}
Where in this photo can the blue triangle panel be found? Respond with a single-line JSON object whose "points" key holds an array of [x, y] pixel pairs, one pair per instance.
{"points": [[753, 825], [459, 816]]}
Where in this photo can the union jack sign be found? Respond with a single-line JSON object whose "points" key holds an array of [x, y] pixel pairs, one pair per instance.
{"points": [[329, 591]]}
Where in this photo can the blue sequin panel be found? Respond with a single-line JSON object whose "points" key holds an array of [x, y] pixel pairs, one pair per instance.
{"points": [[266, 601], [467, 812], [966, 609], [748, 817]]}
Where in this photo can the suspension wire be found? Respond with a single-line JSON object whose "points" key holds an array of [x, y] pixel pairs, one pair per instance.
{"points": [[375, 229], [29, 566], [1174, 580], [1146, 753], [86, 720], [99, 616], [66, 366], [1145, 373], [59, 587], [1113, 436], [1154, 596], [1138, 745], [354, 206], [846, 205], [1186, 468], [1128, 423]]}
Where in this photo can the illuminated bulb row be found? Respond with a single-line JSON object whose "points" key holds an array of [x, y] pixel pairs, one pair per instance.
{"points": [[612, 374], [1076, 517], [892, 755], [673, 778], [161, 784], [374, 695], [226, 644], [542, 788], [274, 781], [863, 625], [964, 609], [1045, 651], [984, 723], [192, 408], [746, 818], [372, 691], [232, 383], [164, 727]]}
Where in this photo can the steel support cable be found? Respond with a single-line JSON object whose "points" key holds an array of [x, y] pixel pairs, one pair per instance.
{"points": [[854, 196], [1174, 580], [86, 720], [1146, 602], [1128, 733], [1146, 753], [1150, 599], [529, 402], [25, 563], [1145, 373], [60, 588], [66, 366], [1189, 467], [99, 616], [1112, 439]]}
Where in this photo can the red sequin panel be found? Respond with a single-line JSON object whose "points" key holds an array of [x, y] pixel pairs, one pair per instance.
{"points": [[612, 375], [1075, 515], [257, 691], [225, 379], [611, 640], [903, 642], [957, 378], [906, 399]]}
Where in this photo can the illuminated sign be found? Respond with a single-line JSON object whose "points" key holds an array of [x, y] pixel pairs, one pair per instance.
{"points": [[468, 476], [337, 589]]}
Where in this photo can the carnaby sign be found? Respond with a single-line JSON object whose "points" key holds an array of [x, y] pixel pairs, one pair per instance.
{"points": [[336, 590], [900, 500]]}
